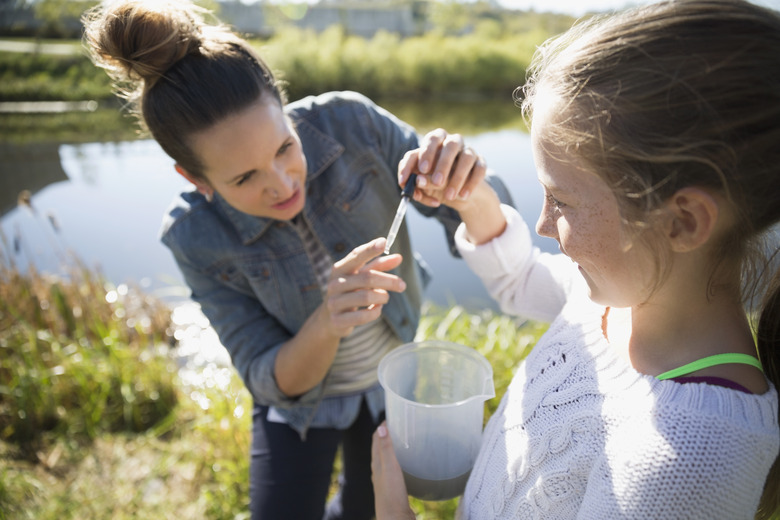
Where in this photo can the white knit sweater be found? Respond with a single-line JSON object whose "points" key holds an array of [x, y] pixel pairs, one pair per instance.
{"points": [[581, 434]]}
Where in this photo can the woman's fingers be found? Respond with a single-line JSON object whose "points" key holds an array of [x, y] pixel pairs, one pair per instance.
{"points": [[359, 257], [359, 286], [370, 276]]}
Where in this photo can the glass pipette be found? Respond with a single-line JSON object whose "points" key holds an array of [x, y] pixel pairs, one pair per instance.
{"points": [[406, 194]]}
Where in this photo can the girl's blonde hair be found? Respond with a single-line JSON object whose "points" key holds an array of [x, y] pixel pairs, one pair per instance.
{"points": [[179, 74], [675, 94]]}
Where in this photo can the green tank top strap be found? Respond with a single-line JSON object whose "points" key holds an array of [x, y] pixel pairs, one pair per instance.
{"points": [[710, 361]]}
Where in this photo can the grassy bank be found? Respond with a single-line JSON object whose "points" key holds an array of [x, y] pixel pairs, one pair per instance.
{"points": [[431, 68], [97, 421], [385, 66], [491, 59], [428, 73]]}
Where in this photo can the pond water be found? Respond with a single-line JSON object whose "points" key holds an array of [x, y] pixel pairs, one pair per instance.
{"points": [[102, 203]]}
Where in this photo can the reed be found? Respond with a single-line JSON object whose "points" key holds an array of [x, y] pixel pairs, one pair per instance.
{"points": [[79, 356]]}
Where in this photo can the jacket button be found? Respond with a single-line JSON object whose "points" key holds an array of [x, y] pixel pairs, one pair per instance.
{"points": [[340, 247]]}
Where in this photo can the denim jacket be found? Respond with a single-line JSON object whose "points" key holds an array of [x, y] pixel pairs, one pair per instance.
{"points": [[252, 276]]}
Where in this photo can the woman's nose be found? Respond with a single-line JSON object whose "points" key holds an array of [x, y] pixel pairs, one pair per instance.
{"points": [[280, 183]]}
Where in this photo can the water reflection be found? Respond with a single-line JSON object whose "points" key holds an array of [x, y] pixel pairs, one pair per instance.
{"points": [[28, 167], [108, 199]]}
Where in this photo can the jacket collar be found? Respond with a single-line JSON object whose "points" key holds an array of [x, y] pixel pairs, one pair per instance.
{"points": [[320, 149]]}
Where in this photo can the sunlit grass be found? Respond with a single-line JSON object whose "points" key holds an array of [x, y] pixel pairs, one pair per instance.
{"points": [[97, 423], [79, 356]]}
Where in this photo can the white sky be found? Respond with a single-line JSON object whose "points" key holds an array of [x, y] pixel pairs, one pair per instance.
{"points": [[579, 7], [572, 7]]}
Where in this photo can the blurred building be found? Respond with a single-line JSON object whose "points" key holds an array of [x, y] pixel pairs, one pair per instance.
{"points": [[357, 18]]}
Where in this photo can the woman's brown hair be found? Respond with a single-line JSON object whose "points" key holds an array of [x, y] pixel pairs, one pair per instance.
{"points": [[179, 74]]}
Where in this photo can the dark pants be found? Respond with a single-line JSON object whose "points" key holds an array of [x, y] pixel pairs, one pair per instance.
{"points": [[289, 478]]}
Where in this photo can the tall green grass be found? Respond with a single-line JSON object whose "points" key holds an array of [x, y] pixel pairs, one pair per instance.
{"points": [[384, 66], [387, 66], [79, 357], [96, 421], [49, 77]]}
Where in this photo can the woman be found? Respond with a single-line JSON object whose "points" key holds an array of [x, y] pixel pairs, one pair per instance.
{"points": [[278, 241]]}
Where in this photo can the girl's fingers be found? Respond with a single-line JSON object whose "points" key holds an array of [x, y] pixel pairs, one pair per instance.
{"points": [[428, 153], [407, 166], [476, 175], [447, 158], [459, 174], [390, 495]]}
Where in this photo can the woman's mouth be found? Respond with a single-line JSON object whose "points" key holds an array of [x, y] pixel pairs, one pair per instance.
{"points": [[285, 204]]}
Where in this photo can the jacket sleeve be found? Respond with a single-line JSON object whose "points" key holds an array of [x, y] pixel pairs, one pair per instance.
{"points": [[521, 279], [250, 334]]}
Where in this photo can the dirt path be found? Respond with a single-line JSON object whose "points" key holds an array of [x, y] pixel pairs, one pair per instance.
{"points": [[63, 49]]}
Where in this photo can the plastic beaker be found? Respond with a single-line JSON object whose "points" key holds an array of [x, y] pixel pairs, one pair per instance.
{"points": [[434, 396]]}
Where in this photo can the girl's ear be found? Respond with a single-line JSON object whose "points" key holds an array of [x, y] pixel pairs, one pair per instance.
{"points": [[693, 215], [201, 184]]}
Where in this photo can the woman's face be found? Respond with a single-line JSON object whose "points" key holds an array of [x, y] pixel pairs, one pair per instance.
{"points": [[255, 161], [581, 212]]}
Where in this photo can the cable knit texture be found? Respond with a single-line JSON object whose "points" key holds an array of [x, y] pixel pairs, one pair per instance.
{"points": [[581, 434]]}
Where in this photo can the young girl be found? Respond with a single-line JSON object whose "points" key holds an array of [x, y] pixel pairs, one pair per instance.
{"points": [[656, 135], [278, 240]]}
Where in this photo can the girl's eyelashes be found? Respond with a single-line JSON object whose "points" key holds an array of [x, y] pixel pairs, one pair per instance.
{"points": [[552, 201]]}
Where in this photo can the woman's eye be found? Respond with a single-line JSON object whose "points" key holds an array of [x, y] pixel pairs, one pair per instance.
{"points": [[283, 148], [243, 179]]}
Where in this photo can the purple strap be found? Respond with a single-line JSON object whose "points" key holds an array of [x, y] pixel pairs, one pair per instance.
{"points": [[717, 381]]}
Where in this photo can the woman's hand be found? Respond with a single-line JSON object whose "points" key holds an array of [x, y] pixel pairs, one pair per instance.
{"points": [[357, 289], [390, 499], [447, 171], [358, 286]]}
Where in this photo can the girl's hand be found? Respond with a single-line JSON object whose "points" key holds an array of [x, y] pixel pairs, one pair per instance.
{"points": [[447, 171], [358, 286], [391, 501]]}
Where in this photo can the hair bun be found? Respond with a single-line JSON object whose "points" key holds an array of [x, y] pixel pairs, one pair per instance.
{"points": [[139, 40]]}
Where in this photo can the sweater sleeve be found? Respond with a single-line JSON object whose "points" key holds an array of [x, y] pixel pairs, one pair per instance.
{"points": [[517, 275]]}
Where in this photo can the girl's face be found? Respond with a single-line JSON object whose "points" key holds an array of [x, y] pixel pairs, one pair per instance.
{"points": [[581, 213], [255, 161]]}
